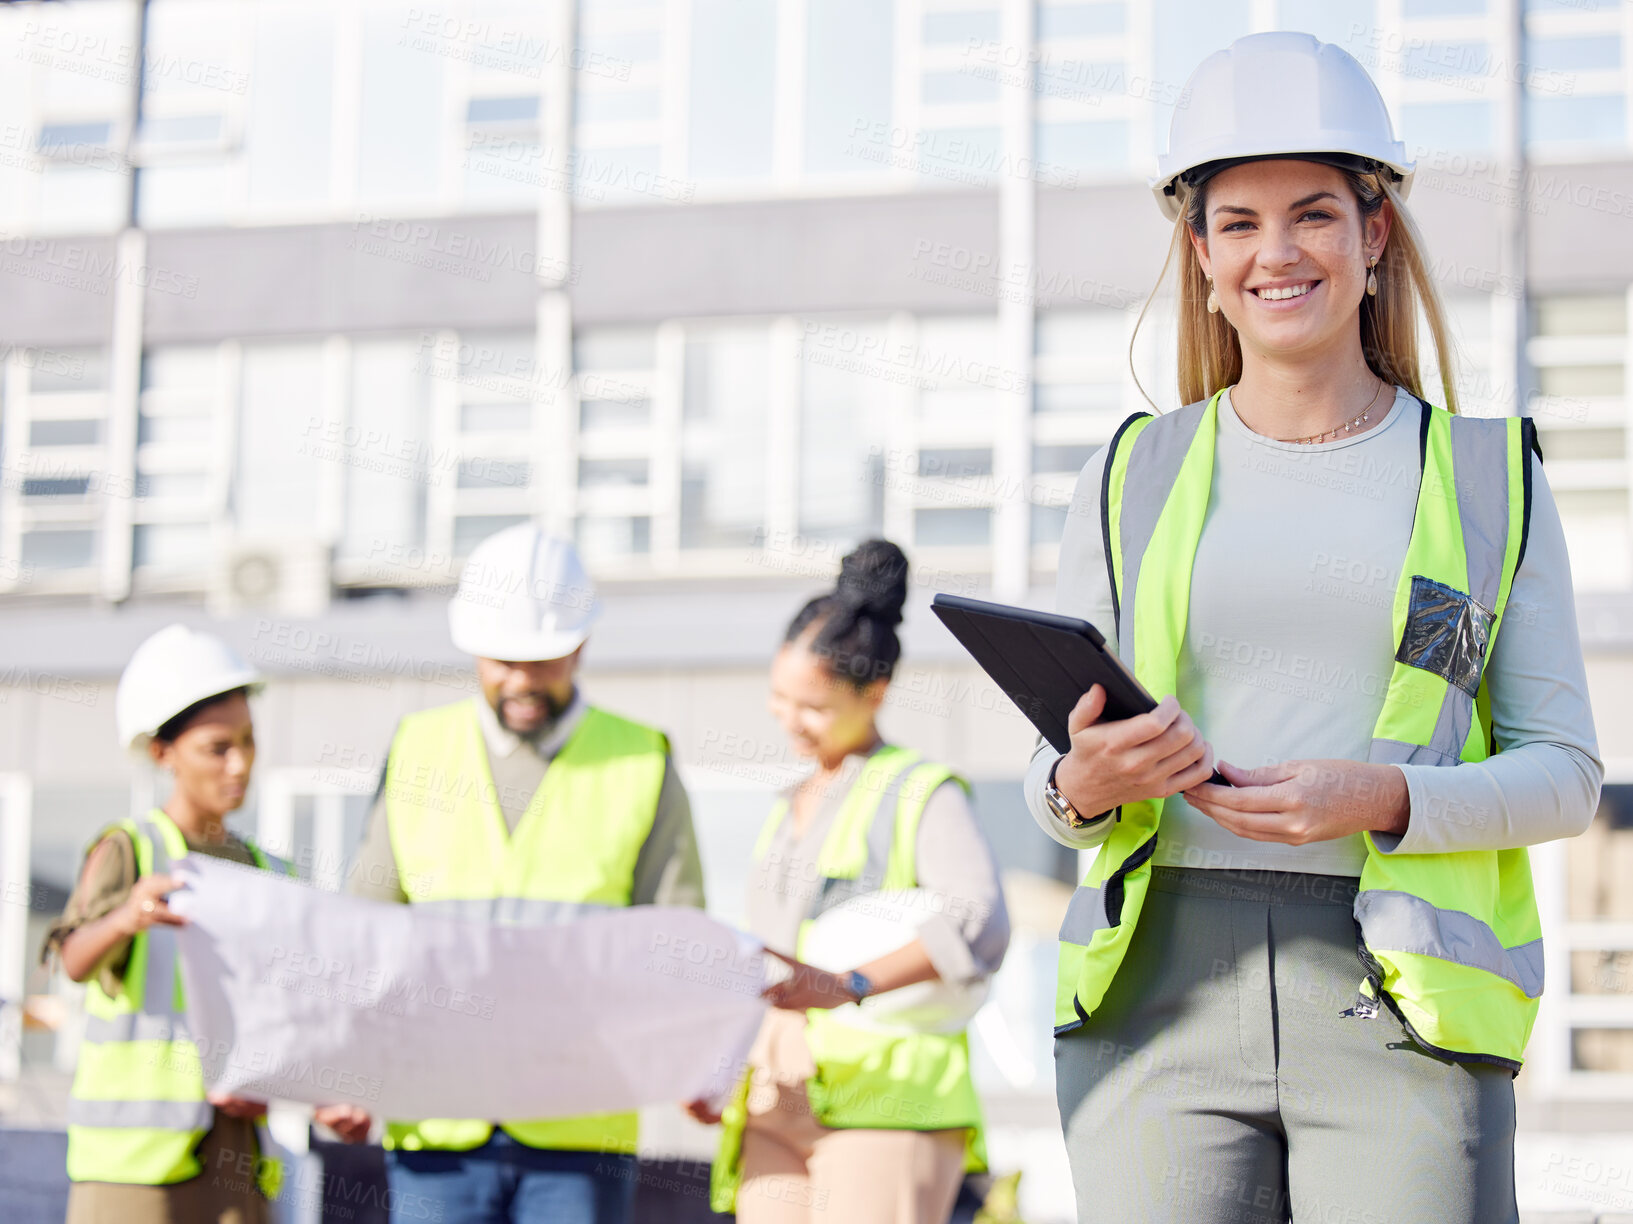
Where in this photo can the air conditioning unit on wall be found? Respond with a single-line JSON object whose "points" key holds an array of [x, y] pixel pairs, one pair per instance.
{"points": [[288, 577]]}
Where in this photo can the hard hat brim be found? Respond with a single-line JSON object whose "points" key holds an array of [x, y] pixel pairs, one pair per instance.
{"points": [[484, 643], [1172, 188], [250, 681]]}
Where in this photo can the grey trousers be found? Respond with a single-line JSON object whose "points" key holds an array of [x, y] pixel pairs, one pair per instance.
{"points": [[1218, 1084]]}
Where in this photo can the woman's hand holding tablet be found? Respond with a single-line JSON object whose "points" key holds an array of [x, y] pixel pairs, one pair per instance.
{"points": [[1148, 756], [1117, 744]]}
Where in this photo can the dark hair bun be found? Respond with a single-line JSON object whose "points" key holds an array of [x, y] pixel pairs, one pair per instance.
{"points": [[873, 580], [853, 628]]}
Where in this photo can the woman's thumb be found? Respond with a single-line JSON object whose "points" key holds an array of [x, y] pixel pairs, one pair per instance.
{"points": [[1087, 711]]}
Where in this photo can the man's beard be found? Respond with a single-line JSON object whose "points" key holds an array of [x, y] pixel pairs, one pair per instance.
{"points": [[553, 710]]}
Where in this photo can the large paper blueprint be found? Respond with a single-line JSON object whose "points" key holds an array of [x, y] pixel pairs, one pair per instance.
{"points": [[311, 996]]}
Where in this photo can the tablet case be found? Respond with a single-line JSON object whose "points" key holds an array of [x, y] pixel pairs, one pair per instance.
{"points": [[1044, 661]]}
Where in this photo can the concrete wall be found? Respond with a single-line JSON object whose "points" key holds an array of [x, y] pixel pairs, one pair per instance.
{"points": [[1096, 246]]}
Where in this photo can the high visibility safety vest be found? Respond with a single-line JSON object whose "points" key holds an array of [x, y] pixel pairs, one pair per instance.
{"points": [[866, 1079], [137, 1111], [573, 852], [1450, 943]]}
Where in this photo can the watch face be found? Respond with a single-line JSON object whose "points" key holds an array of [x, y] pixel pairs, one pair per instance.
{"points": [[1058, 804]]}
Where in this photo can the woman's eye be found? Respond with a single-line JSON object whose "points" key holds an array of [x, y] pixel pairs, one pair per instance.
{"points": [[1234, 225], [1316, 214]]}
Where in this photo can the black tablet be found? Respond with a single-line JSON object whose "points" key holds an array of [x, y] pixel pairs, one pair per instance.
{"points": [[1045, 662]]}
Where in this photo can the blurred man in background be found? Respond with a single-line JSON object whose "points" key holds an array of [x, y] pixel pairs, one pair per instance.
{"points": [[525, 805]]}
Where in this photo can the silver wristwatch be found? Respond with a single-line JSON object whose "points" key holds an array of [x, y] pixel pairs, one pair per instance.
{"points": [[1062, 806]]}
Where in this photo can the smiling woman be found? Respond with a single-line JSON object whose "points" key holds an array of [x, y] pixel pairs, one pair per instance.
{"points": [[1312, 568], [869, 1121]]}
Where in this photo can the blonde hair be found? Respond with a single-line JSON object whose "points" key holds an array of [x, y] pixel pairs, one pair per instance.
{"points": [[1210, 356]]}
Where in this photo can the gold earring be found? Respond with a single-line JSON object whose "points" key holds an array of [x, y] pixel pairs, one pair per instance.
{"points": [[1213, 298], [1372, 278]]}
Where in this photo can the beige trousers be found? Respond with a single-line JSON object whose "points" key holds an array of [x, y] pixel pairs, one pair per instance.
{"points": [[224, 1192], [797, 1171]]}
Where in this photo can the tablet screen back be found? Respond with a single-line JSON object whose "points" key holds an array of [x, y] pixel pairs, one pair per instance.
{"points": [[1042, 661]]}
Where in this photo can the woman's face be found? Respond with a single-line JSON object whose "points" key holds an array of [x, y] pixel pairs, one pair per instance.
{"points": [[823, 716], [1288, 247], [213, 756]]}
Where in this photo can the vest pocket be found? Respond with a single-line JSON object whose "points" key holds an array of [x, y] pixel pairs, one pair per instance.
{"points": [[1446, 633]]}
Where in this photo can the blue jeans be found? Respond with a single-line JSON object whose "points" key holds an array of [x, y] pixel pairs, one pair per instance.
{"points": [[506, 1182]]}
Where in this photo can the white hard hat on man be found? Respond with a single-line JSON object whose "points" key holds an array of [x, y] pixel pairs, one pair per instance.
{"points": [[524, 596], [1279, 94]]}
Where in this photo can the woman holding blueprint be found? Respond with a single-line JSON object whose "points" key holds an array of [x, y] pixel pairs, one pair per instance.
{"points": [[1305, 995], [144, 1141], [874, 869]]}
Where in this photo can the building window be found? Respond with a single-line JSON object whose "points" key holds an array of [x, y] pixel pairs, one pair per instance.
{"points": [[621, 97], [732, 107], [194, 94], [279, 470], [1081, 20], [1580, 120], [396, 458], [1443, 8], [181, 488], [614, 498], [400, 158], [58, 481], [1578, 352], [1461, 126], [846, 412], [288, 138], [723, 456], [486, 472]]}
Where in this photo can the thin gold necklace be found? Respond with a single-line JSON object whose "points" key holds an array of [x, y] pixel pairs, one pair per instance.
{"points": [[1336, 429]]}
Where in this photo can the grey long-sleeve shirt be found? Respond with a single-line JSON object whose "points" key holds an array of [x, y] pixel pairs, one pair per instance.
{"points": [[965, 939], [667, 870], [1288, 649]]}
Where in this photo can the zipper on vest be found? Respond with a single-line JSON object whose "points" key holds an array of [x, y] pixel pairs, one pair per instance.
{"points": [[1365, 1006], [1374, 978]]}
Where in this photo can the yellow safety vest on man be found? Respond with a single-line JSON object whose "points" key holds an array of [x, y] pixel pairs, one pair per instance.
{"points": [[137, 1111], [866, 1079], [573, 850], [1451, 943]]}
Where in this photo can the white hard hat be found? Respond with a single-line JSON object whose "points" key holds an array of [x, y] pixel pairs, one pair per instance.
{"points": [[172, 670], [523, 596], [866, 928], [1278, 94]]}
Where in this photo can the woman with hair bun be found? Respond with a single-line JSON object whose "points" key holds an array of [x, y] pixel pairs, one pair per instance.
{"points": [[841, 1117]]}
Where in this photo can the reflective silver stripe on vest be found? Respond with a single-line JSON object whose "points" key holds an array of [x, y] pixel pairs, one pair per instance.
{"points": [[1085, 914], [1399, 922], [135, 1026], [159, 979], [510, 911], [1398, 752], [881, 836], [1480, 472], [1153, 467], [154, 1115]]}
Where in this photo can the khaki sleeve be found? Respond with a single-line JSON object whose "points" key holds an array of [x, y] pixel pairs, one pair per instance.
{"points": [[668, 870], [104, 883], [374, 872]]}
